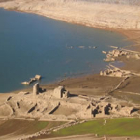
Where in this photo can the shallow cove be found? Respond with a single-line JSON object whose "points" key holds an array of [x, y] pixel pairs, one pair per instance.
{"points": [[32, 44]]}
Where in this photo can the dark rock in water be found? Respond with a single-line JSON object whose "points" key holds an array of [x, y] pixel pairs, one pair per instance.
{"points": [[38, 77]]}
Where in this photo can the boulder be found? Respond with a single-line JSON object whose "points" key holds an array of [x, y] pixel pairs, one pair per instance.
{"points": [[38, 77], [25, 83], [104, 52]]}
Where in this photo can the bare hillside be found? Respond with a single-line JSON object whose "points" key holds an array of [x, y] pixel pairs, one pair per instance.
{"points": [[101, 14]]}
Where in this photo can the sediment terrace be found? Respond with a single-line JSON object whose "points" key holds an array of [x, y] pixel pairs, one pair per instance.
{"points": [[101, 15]]}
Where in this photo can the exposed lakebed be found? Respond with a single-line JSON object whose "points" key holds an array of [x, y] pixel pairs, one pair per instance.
{"points": [[32, 44]]}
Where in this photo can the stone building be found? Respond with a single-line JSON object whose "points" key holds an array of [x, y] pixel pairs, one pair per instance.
{"points": [[60, 92], [36, 89]]}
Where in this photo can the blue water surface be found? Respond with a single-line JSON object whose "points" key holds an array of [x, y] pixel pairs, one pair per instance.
{"points": [[32, 44]]}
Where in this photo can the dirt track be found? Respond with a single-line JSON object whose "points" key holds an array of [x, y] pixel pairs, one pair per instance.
{"points": [[91, 137]]}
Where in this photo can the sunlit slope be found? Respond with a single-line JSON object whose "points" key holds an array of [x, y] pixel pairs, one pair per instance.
{"points": [[112, 14]]}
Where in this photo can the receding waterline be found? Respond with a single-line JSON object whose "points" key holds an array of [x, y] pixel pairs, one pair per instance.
{"points": [[32, 44]]}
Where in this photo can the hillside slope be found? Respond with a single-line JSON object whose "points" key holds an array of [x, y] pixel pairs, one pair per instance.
{"points": [[89, 13]]}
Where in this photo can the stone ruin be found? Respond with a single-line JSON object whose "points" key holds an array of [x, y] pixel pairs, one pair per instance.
{"points": [[59, 104], [36, 78], [60, 92], [36, 89], [116, 72], [112, 55], [129, 54]]}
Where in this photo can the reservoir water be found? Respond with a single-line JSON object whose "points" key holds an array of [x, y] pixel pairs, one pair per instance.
{"points": [[32, 44]]}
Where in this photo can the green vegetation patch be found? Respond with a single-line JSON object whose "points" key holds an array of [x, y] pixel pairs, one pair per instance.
{"points": [[113, 127], [41, 125]]}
